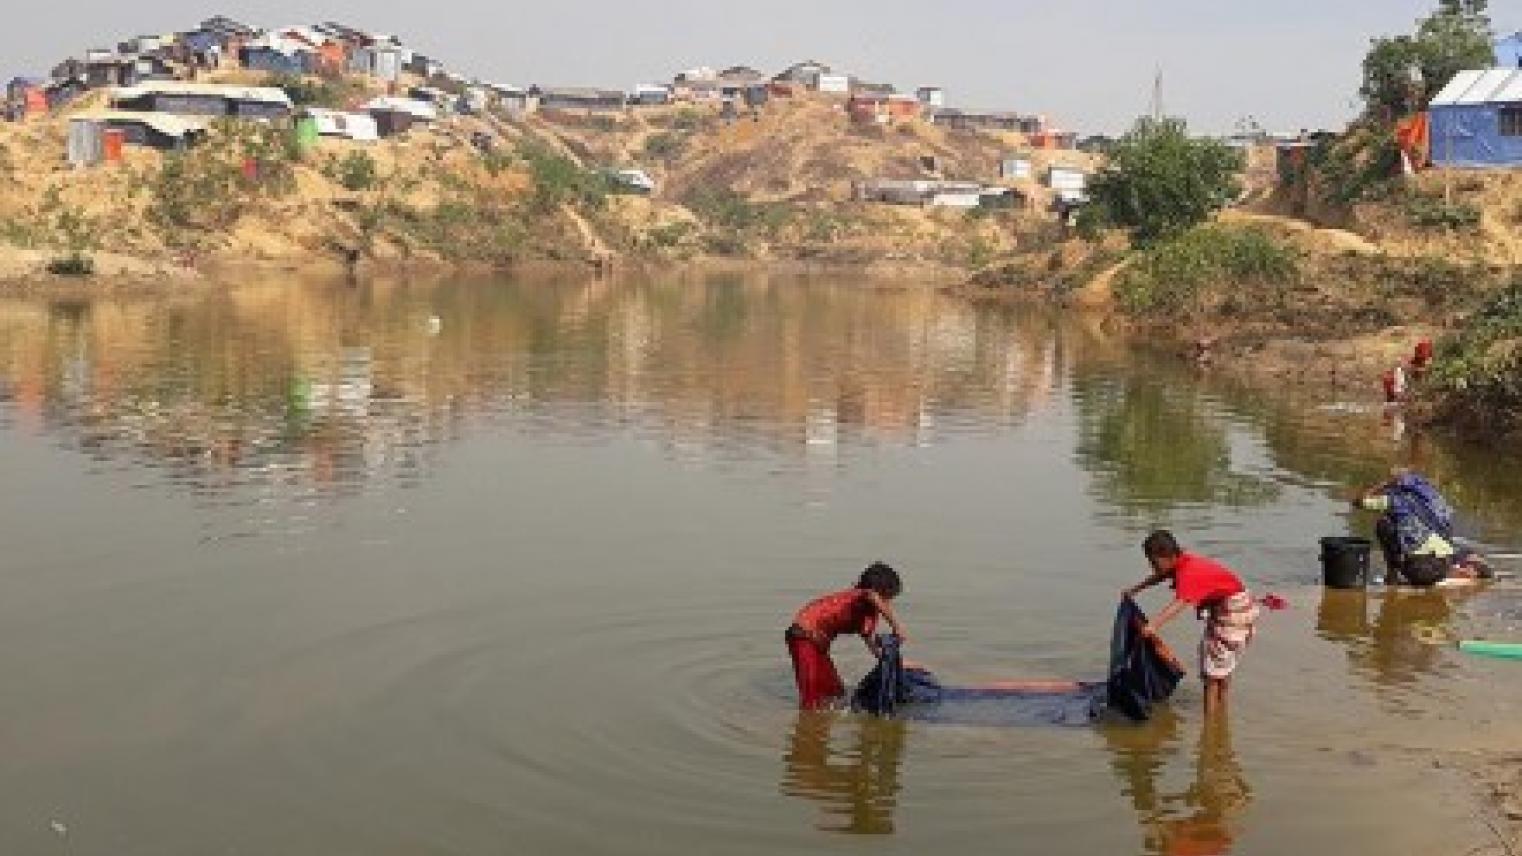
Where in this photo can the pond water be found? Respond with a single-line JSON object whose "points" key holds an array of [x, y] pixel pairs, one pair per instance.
{"points": [[503, 567]]}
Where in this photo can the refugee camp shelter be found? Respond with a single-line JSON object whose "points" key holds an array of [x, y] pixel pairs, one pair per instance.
{"points": [[380, 61], [1509, 51], [161, 131], [395, 116], [1477, 120], [578, 98], [360, 127], [204, 99], [650, 95], [873, 109], [278, 55]]}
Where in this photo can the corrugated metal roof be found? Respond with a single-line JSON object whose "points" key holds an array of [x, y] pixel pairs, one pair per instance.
{"points": [[165, 123], [419, 109], [1511, 92], [267, 94], [1456, 87], [1481, 86]]}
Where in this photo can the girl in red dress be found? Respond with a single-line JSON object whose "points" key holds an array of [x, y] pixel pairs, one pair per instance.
{"points": [[816, 625]]}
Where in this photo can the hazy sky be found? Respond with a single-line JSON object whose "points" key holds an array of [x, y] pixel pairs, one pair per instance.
{"points": [[1087, 64]]}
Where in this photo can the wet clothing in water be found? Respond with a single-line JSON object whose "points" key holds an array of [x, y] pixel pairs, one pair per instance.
{"points": [[808, 642], [1142, 673], [890, 685], [1143, 670], [818, 681]]}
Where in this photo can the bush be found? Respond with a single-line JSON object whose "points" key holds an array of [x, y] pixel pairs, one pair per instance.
{"points": [[1480, 367], [558, 180], [72, 265], [669, 235], [1364, 165], [664, 147], [1161, 182], [1433, 212], [1174, 276], [72, 230], [357, 171], [205, 189], [310, 92], [496, 161]]}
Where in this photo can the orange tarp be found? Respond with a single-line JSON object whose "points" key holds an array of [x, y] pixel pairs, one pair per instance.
{"points": [[36, 102], [1413, 135]]}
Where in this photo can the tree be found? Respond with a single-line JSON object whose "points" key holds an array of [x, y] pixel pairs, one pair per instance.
{"points": [[1161, 182], [1401, 74]]}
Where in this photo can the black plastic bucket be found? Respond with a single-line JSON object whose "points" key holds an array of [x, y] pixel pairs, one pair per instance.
{"points": [[1345, 562]]}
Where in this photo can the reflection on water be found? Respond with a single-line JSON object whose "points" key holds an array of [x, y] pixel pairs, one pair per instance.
{"points": [[849, 766], [386, 548], [1154, 444], [1196, 814], [328, 387], [1404, 641]]}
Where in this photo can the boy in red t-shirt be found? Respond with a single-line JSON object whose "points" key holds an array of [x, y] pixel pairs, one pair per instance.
{"points": [[1217, 595], [816, 625]]}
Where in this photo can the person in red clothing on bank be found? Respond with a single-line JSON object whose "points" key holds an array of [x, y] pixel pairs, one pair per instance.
{"points": [[1219, 598], [855, 610]]}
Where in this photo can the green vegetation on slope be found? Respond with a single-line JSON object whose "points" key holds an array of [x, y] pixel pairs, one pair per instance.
{"points": [[1240, 265], [1478, 372]]}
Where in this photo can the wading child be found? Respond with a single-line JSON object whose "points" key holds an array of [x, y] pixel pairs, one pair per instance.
{"points": [[816, 625], [1217, 596]]}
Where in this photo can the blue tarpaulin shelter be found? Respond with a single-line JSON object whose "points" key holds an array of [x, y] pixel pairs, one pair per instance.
{"points": [[1509, 51], [1477, 120]]}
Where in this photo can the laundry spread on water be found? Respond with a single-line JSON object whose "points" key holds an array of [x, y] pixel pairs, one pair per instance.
{"points": [[1143, 672]]}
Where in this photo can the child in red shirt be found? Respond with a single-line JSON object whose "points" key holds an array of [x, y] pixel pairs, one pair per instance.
{"points": [[1217, 595], [855, 610]]}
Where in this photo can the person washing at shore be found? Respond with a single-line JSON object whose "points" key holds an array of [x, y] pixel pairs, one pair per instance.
{"points": [[855, 610], [1219, 598], [1415, 532]]}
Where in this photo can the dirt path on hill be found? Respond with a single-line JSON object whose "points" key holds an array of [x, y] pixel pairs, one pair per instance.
{"points": [[1339, 240]]}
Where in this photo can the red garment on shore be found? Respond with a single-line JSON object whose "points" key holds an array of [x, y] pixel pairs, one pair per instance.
{"points": [[818, 682], [1200, 581], [850, 611]]}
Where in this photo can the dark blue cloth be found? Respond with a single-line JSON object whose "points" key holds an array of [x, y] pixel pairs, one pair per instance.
{"points": [[890, 685], [1142, 673]]}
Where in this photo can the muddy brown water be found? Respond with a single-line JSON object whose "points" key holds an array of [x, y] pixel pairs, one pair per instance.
{"points": [[502, 567]]}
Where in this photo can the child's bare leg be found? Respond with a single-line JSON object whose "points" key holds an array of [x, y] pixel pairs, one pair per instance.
{"points": [[1215, 696]]}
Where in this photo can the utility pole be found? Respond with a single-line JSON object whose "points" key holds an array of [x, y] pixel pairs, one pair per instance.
{"points": [[1157, 96]]}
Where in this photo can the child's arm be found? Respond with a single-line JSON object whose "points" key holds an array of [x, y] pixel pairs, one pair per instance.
{"points": [[1151, 580], [885, 609], [1169, 613]]}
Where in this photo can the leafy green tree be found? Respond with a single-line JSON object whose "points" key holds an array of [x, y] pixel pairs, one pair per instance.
{"points": [[1401, 74], [1161, 182]]}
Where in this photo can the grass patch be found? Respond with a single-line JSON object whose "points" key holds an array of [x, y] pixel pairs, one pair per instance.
{"points": [[1177, 276], [558, 180], [734, 221], [1426, 211], [1478, 371]]}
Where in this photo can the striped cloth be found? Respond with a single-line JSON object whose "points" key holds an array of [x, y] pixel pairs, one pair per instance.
{"points": [[1229, 627]]}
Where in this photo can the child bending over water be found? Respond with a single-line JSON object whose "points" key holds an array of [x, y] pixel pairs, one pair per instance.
{"points": [[1217, 595], [855, 610]]}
